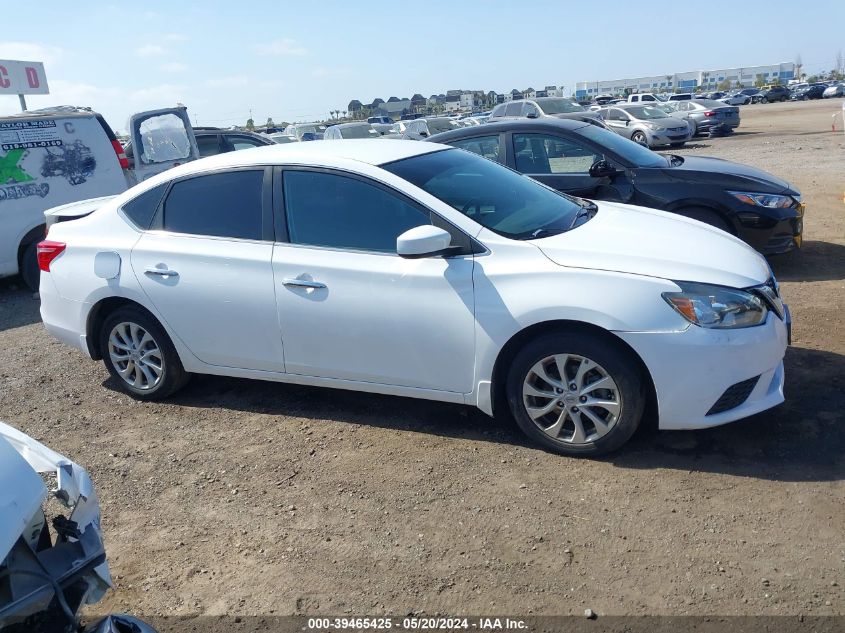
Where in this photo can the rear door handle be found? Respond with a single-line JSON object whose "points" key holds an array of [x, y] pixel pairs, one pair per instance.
{"points": [[302, 283], [161, 272]]}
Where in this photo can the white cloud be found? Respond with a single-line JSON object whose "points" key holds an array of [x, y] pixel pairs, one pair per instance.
{"points": [[150, 50], [175, 37], [281, 47], [173, 67], [30, 52], [160, 96], [227, 82]]}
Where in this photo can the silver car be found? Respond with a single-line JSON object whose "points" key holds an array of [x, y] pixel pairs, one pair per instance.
{"points": [[647, 125], [418, 129], [351, 130], [703, 115]]}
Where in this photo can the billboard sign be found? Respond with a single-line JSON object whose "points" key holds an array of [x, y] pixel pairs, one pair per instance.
{"points": [[22, 78]]}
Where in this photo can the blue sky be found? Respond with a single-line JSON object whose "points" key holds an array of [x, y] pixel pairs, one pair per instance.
{"points": [[297, 61]]}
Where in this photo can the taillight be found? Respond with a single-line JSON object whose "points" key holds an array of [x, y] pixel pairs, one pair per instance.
{"points": [[710, 113], [49, 250], [121, 155]]}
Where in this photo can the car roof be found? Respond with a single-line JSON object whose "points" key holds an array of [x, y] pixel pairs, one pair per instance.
{"points": [[497, 127], [333, 153]]}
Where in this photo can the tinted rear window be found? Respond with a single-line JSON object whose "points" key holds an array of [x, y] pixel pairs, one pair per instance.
{"points": [[140, 210], [226, 204]]}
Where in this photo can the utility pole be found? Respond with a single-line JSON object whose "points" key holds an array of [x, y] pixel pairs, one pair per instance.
{"points": [[23, 102]]}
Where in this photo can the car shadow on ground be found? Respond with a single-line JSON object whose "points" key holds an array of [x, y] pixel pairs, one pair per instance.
{"points": [[17, 305], [801, 440], [814, 261]]}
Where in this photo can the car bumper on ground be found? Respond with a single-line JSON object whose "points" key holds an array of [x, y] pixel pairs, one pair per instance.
{"points": [[705, 377]]}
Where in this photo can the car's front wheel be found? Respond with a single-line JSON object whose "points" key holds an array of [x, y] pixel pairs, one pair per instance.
{"points": [[639, 137], [576, 394], [140, 356]]}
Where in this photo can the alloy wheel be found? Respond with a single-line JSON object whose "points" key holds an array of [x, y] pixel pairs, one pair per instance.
{"points": [[136, 356], [571, 398]]}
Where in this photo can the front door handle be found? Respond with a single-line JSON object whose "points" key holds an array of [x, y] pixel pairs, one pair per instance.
{"points": [[161, 272], [303, 283]]}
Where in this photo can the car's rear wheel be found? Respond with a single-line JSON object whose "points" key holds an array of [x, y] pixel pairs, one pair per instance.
{"points": [[140, 356], [30, 272], [639, 137], [576, 394], [708, 216], [764, 100]]}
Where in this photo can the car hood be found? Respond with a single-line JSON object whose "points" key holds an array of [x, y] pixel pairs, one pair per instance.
{"points": [[730, 174], [640, 241]]}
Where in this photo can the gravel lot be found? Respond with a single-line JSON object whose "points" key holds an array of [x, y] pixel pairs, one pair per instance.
{"points": [[239, 497]]}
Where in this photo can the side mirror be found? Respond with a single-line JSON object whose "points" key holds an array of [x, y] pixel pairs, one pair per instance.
{"points": [[602, 169], [422, 241], [424, 134], [531, 115]]}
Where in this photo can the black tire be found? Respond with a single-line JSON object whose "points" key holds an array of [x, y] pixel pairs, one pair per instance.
{"points": [[30, 272], [618, 364], [764, 99], [708, 216], [639, 138], [173, 375]]}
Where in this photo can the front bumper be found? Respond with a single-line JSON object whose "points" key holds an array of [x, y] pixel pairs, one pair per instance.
{"points": [[785, 235], [667, 138], [693, 369]]}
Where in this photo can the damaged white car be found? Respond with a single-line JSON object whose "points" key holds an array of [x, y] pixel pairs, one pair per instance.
{"points": [[50, 568]]}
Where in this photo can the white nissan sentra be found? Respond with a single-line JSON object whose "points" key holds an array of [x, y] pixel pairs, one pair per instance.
{"points": [[419, 270]]}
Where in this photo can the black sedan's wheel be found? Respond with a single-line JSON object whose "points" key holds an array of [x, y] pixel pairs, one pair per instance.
{"points": [[140, 356], [639, 137], [576, 394], [764, 100]]}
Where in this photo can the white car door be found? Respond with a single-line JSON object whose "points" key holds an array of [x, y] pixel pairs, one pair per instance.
{"points": [[161, 139], [206, 266], [350, 308]]}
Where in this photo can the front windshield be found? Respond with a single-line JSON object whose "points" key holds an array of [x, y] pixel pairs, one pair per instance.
{"points": [[559, 106], [631, 152], [358, 131], [496, 197], [646, 112], [435, 126]]}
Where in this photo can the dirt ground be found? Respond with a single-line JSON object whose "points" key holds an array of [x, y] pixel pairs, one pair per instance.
{"points": [[240, 497]]}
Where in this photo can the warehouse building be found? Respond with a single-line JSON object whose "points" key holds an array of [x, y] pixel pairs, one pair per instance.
{"points": [[688, 81]]}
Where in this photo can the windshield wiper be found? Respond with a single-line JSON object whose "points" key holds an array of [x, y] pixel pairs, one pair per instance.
{"points": [[545, 233]]}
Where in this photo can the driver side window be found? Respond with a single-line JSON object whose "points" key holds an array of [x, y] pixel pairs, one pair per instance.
{"points": [[546, 154], [335, 211]]}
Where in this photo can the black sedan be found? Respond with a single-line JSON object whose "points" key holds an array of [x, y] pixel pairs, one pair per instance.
{"points": [[591, 162]]}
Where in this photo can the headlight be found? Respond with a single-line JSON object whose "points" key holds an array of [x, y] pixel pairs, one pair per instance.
{"points": [[654, 126], [716, 306], [769, 200]]}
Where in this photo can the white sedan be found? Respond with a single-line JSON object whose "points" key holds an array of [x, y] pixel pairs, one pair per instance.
{"points": [[420, 270]]}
